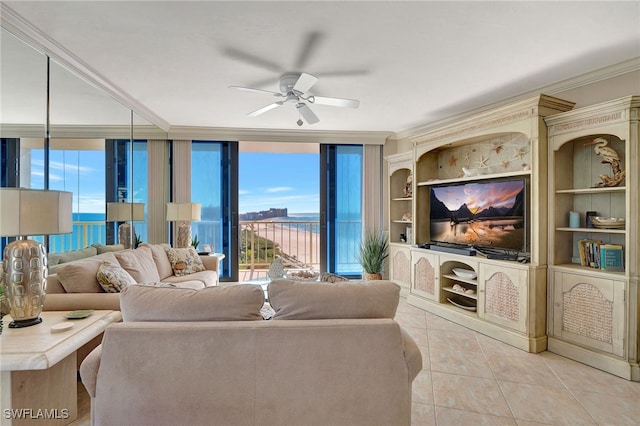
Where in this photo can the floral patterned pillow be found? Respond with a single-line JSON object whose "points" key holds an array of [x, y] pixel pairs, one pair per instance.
{"points": [[185, 261], [113, 278]]}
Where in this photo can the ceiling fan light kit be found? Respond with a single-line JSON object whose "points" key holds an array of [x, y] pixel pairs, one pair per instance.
{"points": [[293, 87]]}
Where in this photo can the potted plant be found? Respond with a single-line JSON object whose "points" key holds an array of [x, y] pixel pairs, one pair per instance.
{"points": [[373, 252]]}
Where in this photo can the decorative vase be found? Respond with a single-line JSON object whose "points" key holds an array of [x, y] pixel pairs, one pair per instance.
{"points": [[372, 277]]}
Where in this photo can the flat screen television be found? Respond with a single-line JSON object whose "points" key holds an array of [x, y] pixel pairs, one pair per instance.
{"points": [[484, 214]]}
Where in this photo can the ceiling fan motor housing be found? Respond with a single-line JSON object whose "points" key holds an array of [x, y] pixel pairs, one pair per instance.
{"points": [[287, 81]]}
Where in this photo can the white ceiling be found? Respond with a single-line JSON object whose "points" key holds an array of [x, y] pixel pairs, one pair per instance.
{"points": [[409, 63]]}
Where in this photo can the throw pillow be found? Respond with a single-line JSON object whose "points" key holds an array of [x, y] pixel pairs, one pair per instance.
{"points": [[139, 264], [231, 303], [112, 278], [184, 261], [341, 300]]}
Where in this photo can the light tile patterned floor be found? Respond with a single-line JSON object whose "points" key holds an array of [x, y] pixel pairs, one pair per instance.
{"points": [[471, 379]]}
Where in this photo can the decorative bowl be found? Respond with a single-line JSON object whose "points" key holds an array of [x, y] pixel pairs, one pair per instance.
{"points": [[608, 222], [467, 274]]}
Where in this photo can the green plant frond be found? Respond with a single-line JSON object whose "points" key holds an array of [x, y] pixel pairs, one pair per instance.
{"points": [[373, 252]]}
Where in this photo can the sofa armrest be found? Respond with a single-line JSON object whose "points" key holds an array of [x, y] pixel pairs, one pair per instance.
{"points": [[75, 301], [89, 370], [212, 263], [412, 354]]}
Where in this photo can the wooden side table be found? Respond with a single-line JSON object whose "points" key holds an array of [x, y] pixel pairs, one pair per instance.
{"points": [[39, 371]]}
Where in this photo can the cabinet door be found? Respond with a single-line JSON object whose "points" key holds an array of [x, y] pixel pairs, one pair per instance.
{"points": [[425, 275], [589, 311], [400, 265], [502, 296]]}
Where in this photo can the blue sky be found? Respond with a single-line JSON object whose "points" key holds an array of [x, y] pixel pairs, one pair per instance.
{"points": [[266, 180], [279, 180]]}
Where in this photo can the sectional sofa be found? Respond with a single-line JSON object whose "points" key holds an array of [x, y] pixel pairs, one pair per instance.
{"points": [[74, 284]]}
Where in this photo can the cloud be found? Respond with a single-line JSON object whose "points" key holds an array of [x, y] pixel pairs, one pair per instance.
{"points": [[243, 192], [279, 189], [58, 165]]}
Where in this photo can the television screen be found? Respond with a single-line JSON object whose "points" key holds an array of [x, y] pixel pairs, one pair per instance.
{"points": [[483, 213]]}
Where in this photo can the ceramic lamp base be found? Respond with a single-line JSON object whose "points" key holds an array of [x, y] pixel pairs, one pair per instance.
{"points": [[183, 239], [25, 281], [124, 235]]}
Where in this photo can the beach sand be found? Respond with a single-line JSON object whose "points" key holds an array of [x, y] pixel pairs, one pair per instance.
{"points": [[300, 248]]}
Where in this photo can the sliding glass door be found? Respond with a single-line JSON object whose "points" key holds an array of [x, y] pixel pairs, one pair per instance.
{"points": [[341, 168], [214, 184]]}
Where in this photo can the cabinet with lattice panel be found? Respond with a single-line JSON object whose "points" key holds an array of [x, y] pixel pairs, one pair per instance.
{"points": [[400, 266], [594, 166], [503, 295], [425, 274]]}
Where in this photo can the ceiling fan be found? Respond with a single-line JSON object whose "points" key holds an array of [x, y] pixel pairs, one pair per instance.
{"points": [[293, 89]]}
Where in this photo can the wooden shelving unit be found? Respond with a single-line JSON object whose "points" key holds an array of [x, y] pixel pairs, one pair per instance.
{"points": [[593, 314]]}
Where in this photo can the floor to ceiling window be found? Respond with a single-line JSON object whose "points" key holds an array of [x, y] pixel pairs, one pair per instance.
{"points": [[214, 186], [341, 208]]}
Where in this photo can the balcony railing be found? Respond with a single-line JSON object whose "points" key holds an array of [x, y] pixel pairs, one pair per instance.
{"points": [[297, 243], [83, 235]]}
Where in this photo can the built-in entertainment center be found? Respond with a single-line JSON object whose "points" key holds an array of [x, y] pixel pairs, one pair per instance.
{"points": [[492, 247]]}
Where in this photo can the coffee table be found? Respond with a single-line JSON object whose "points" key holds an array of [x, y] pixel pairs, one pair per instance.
{"points": [[39, 368]]}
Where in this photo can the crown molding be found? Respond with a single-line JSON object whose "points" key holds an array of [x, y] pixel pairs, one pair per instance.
{"points": [[21, 28], [277, 135], [82, 132], [581, 80]]}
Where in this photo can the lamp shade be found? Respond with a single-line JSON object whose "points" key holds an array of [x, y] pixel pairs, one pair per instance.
{"points": [[124, 212], [25, 212], [183, 211]]}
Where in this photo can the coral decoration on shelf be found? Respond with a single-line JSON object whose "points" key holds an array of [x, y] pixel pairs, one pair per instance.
{"points": [[608, 155]]}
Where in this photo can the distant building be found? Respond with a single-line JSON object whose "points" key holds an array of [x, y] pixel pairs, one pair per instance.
{"points": [[265, 214]]}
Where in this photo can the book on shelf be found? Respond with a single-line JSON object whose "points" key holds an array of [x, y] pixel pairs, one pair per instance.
{"points": [[611, 257], [598, 255], [587, 252]]}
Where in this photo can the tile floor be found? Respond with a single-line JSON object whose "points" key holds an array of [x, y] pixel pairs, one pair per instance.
{"points": [[471, 379]]}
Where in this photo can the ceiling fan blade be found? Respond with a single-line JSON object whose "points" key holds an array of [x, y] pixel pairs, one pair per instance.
{"points": [[250, 89], [307, 114], [304, 83], [339, 102], [309, 45], [265, 109], [252, 59]]}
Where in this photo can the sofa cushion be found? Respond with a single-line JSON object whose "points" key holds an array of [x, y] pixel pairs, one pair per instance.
{"points": [[139, 264], [184, 261], [159, 254], [232, 303], [344, 300], [113, 278], [81, 276], [102, 248], [69, 256]]}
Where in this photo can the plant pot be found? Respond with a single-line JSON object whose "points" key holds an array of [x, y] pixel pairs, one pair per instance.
{"points": [[372, 277]]}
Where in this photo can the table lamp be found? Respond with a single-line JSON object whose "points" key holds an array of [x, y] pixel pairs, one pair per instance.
{"points": [[125, 212], [25, 212], [184, 213]]}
